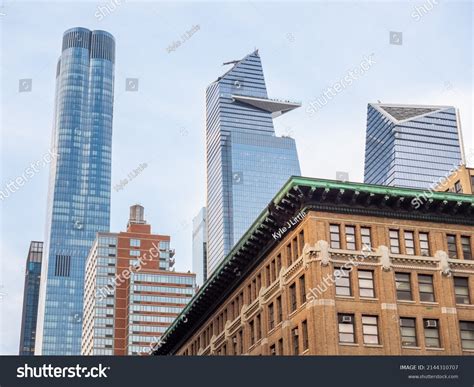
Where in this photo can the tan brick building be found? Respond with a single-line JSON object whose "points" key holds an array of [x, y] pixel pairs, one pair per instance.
{"points": [[460, 181], [332, 268]]}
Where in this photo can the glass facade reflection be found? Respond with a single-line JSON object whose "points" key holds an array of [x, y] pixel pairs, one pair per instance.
{"points": [[80, 183], [411, 146], [30, 299], [246, 163]]}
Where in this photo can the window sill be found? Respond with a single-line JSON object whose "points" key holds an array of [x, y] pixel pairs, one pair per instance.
{"points": [[346, 297], [433, 303], [373, 345], [434, 349], [406, 301], [469, 306], [349, 344], [416, 348], [368, 299], [468, 350]]}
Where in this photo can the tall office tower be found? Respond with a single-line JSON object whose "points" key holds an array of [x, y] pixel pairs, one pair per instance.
{"points": [[200, 246], [79, 187], [131, 293], [411, 146], [246, 163], [30, 299]]}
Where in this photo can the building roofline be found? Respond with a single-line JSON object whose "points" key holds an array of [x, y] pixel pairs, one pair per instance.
{"points": [[297, 195]]}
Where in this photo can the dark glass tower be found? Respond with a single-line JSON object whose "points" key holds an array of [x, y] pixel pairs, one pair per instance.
{"points": [[411, 146], [246, 163], [80, 184], [30, 299]]}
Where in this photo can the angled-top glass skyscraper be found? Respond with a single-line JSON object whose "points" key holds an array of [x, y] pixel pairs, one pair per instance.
{"points": [[246, 163], [80, 182], [411, 146]]}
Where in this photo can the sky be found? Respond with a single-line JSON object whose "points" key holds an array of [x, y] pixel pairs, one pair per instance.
{"points": [[305, 48]]}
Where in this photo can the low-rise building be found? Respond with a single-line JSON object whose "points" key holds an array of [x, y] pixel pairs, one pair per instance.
{"points": [[460, 181], [339, 268]]}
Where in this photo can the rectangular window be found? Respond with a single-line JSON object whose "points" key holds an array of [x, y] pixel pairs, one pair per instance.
{"points": [[466, 247], [289, 259], [342, 279], [346, 328], [452, 246], [458, 187], [268, 280], [295, 341], [467, 334], [335, 236], [273, 274], [461, 290], [295, 248], [394, 241], [280, 347], [424, 244], [134, 253], [366, 238], [279, 310], [366, 283], [408, 332], [370, 329], [403, 286], [302, 290], [271, 317], [135, 242], [252, 332], [272, 350], [425, 284], [350, 238], [409, 242], [304, 328], [259, 327], [431, 333], [278, 265], [301, 241], [293, 301]]}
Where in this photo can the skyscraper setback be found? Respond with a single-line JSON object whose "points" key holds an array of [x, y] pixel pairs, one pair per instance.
{"points": [[411, 146], [246, 163], [79, 186]]}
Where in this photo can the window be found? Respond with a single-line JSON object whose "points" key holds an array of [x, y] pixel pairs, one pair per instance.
{"points": [[295, 248], [259, 327], [288, 255], [366, 238], [278, 265], [346, 328], [293, 301], [424, 244], [252, 332], [342, 278], [271, 317], [350, 238], [394, 241], [268, 280], [466, 247], [273, 273], [279, 310], [461, 290], [272, 350], [135, 242], [431, 333], [302, 290], [366, 283], [425, 284], [280, 346], [408, 332], [295, 341], [467, 334], [304, 328], [370, 329], [403, 286], [409, 242], [335, 237], [457, 187], [301, 241], [134, 253], [452, 247]]}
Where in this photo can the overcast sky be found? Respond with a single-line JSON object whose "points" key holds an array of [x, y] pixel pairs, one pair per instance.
{"points": [[305, 48]]}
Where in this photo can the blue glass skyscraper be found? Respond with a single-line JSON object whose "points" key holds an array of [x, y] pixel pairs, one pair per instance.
{"points": [[411, 146], [30, 299], [246, 163], [80, 184]]}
